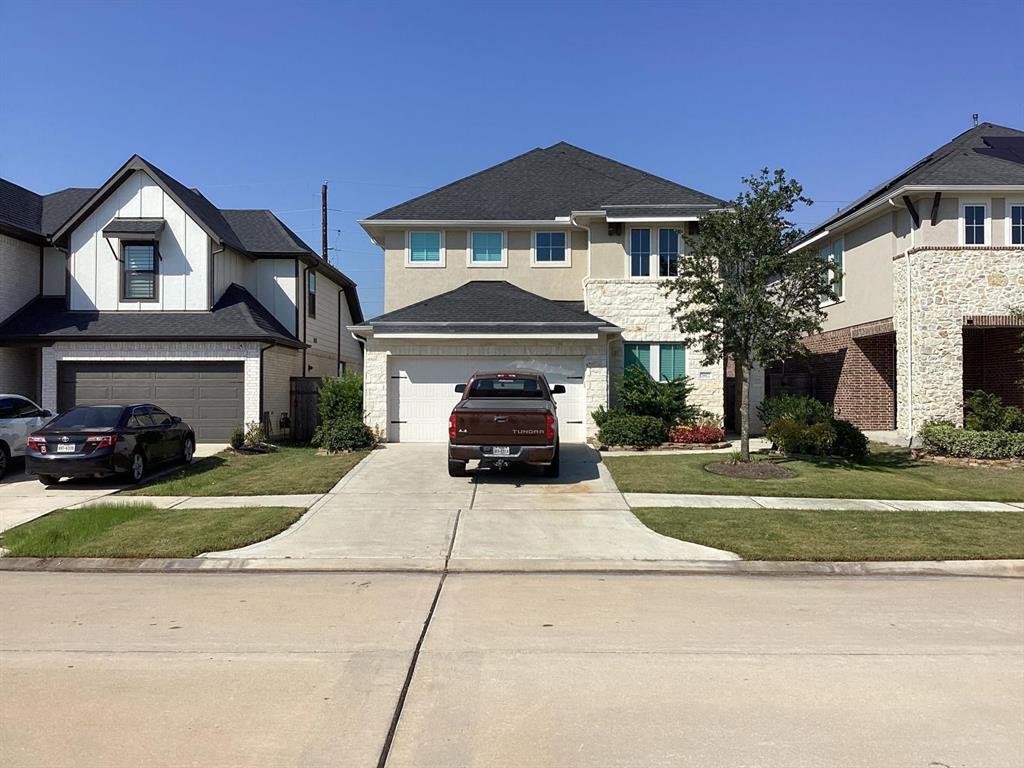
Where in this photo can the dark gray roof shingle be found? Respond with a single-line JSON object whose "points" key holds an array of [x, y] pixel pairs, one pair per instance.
{"points": [[237, 316], [261, 232], [543, 184], [483, 306], [20, 209], [59, 206]]}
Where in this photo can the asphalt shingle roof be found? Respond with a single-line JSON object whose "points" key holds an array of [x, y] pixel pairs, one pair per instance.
{"points": [[988, 154], [260, 231], [237, 316], [543, 184], [484, 306]]}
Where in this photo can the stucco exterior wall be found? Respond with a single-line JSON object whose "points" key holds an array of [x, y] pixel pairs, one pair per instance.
{"points": [[376, 380], [933, 290], [19, 274], [867, 267], [642, 311]]}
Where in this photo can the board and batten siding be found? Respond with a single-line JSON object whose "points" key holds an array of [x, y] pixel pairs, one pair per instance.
{"points": [[184, 250], [271, 281]]}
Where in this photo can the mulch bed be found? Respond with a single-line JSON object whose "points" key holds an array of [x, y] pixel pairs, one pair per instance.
{"points": [[751, 470]]}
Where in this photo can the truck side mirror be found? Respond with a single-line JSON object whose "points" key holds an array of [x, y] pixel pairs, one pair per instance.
{"points": [[558, 389], [460, 388]]}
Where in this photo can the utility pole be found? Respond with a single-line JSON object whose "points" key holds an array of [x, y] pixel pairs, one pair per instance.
{"points": [[323, 218]]}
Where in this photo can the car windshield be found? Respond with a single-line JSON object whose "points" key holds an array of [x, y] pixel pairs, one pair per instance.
{"points": [[506, 386], [88, 417]]}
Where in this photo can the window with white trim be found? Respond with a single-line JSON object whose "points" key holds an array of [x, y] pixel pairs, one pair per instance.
{"points": [[661, 361], [831, 255], [426, 249], [639, 253], [668, 252], [551, 249], [487, 248], [974, 218], [1015, 221]]}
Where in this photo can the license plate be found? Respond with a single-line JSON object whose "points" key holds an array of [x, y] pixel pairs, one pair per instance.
{"points": [[65, 447], [501, 450]]}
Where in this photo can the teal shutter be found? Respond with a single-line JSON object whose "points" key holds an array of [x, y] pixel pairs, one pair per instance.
{"points": [[673, 361], [637, 354]]}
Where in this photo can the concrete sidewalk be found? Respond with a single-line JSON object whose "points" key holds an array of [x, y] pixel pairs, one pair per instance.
{"points": [[707, 501]]}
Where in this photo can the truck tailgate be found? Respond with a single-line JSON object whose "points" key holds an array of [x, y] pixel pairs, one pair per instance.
{"points": [[483, 421]]}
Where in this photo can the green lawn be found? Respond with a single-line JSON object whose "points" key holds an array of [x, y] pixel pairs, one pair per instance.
{"points": [[140, 530], [887, 474], [771, 534], [287, 470]]}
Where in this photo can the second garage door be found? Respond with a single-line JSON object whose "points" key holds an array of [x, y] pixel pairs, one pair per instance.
{"points": [[208, 395], [421, 393]]}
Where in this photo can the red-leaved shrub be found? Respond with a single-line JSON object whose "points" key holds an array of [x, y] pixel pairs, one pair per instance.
{"points": [[696, 433]]}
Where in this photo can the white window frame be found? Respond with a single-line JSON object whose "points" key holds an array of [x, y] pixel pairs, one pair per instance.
{"points": [[961, 222], [832, 270], [439, 264], [1007, 210], [486, 264], [656, 250], [628, 248], [551, 264]]}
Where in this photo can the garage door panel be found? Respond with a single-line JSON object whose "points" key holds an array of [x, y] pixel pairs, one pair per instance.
{"points": [[422, 392], [208, 395]]}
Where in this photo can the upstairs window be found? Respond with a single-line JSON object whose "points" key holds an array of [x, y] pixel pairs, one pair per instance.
{"points": [[639, 253], [1015, 218], [550, 249], [832, 256], [140, 270], [426, 249], [668, 252], [974, 223], [487, 249], [311, 293]]}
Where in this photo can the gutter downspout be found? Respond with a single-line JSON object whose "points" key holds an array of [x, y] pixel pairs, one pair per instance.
{"points": [[305, 314], [337, 366], [910, 337], [259, 417]]}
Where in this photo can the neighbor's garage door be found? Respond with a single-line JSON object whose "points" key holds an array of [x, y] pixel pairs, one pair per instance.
{"points": [[421, 393], [208, 395]]}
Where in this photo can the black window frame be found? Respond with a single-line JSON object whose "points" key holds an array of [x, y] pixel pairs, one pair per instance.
{"points": [[155, 272], [311, 293]]}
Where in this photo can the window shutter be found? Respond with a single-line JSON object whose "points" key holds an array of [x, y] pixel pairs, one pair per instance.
{"points": [[672, 359], [637, 354]]}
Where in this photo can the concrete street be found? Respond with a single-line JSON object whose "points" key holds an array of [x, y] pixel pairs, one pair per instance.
{"points": [[515, 670]]}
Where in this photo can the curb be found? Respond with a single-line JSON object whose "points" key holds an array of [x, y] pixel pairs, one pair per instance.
{"points": [[1007, 569]]}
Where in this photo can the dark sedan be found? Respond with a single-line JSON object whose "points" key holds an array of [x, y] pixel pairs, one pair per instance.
{"points": [[101, 440]]}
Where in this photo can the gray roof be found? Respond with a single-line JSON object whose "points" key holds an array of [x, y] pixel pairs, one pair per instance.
{"points": [[988, 155], [237, 316], [261, 232], [489, 306], [129, 227], [33, 216], [543, 184]]}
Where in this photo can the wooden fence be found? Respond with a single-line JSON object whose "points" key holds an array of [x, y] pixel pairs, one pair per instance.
{"points": [[305, 401]]}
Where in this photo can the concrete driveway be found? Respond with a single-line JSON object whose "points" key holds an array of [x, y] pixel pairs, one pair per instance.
{"points": [[400, 506]]}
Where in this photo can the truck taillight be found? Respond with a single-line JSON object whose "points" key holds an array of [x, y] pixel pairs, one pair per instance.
{"points": [[102, 441], [549, 427], [36, 443], [451, 427]]}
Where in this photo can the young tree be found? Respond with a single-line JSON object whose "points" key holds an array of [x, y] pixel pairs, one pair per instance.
{"points": [[741, 293]]}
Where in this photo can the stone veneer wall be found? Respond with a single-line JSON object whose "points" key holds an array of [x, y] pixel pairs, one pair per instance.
{"points": [[246, 352], [376, 379], [945, 284], [640, 308]]}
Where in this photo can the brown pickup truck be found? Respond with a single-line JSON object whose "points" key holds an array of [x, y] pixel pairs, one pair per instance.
{"points": [[504, 418]]}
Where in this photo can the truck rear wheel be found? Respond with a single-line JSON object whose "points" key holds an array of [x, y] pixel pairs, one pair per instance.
{"points": [[456, 468], [551, 470]]}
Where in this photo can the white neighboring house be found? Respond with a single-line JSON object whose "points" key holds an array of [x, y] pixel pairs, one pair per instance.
{"points": [[142, 290], [550, 261]]}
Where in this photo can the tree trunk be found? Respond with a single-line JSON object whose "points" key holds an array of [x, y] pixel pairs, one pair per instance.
{"points": [[743, 404]]}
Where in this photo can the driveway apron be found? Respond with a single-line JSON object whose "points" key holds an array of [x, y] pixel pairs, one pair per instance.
{"points": [[399, 508]]}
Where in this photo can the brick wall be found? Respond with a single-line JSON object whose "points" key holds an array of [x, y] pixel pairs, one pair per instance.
{"points": [[857, 377], [993, 363]]}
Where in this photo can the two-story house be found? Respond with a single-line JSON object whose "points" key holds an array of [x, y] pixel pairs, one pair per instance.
{"points": [[550, 261], [143, 290], [929, 267]]}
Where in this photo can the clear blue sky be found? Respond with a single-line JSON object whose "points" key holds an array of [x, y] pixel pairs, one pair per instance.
{"points": [[257, 103]]}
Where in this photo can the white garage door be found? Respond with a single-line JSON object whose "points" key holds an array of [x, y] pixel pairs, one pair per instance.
{"points": [[421, 393]]}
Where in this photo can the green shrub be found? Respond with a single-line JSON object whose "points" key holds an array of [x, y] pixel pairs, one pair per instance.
{"points": [[944, 438], [341, 398], [601, 415], [799, 408], [344, 435], [237, 438], [633, 430], [986, 412], [850, 442], [640, 395], [792, 436]]}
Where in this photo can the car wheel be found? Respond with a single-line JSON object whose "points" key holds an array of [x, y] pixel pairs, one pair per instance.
{"points": [[47, 479], [188, 449], [138, 467], [552, 469], [456, 468], [5, 459]]}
